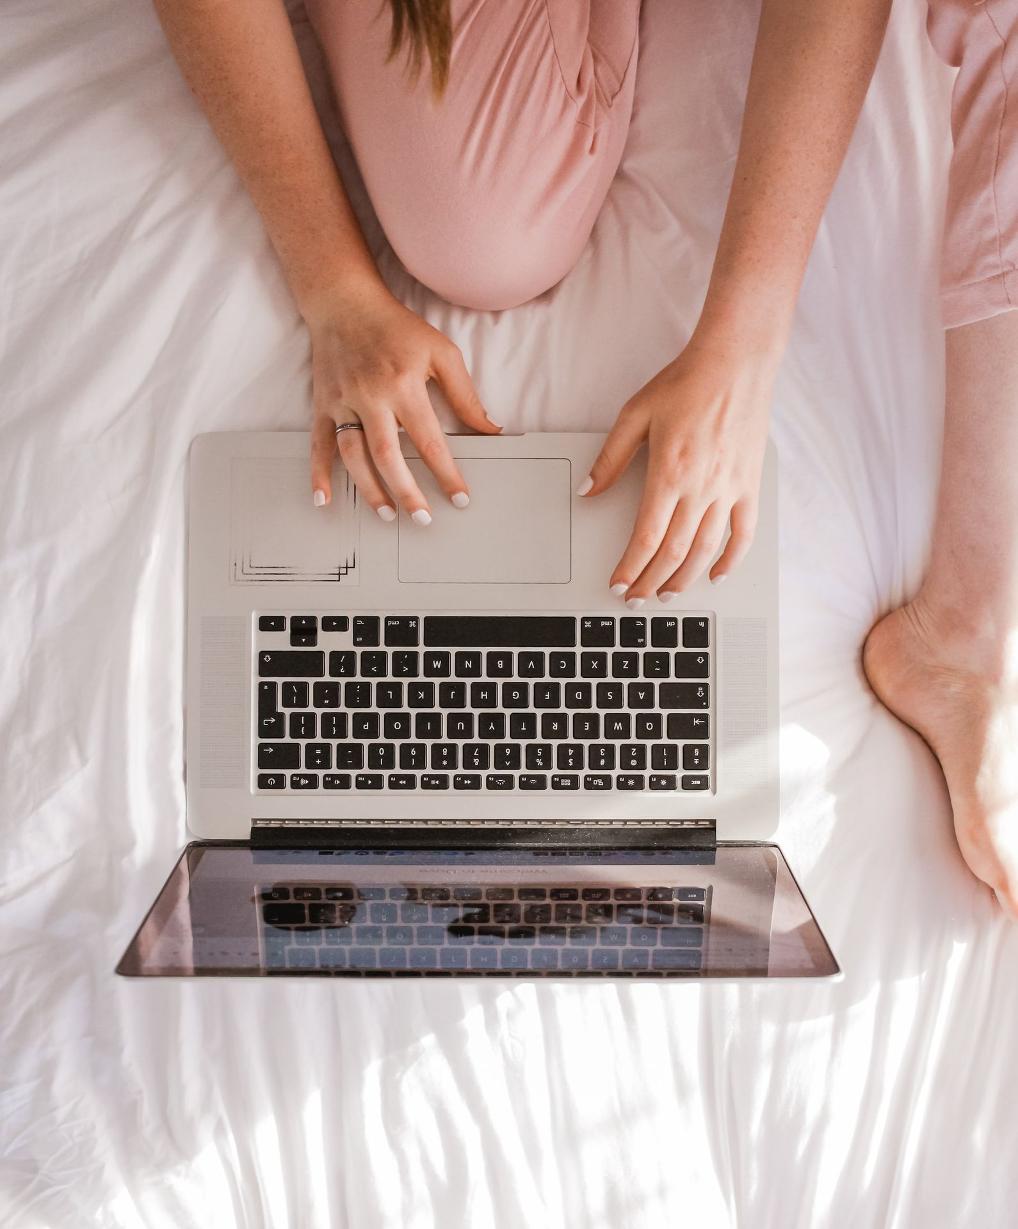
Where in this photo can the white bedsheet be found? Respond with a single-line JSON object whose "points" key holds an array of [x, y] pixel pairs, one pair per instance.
{"points": [[139, 305]]}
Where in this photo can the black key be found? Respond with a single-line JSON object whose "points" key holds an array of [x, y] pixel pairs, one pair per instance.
{"points": [[476, 756], [630, 781], [535, 780], [389, 695], [692, 665], [366, 725], [271, 780], [695, 633], [663, 781], [466, 780], [500, 631], [335, 623], [303, 725], [420, 695], [537, 915], [684, 695], [632, 756], [530, 665], [369, 780], [275, 894], [626, 665], [547, 695], [303, 640], [318, 755], [483, 695], [609, 695], [290, 663], [452, 695], [467, 665], [599, 914], [618, 726], [515, 695], [343, 665], [643, 936], [648, 725], [444, 755], [564, 894], [523, 725], [267, 696], [381, 755], [273, 726], [349, 755], [597, 633], [303, 631], [655, 665], [572, 912], [593, 665], [303, 780], [664, 632], [333, 725], [295, 695], [554, 725], [578, 695], [366, 631], [498, 781], [406, 664], [491, 725], [506, 756], [402, 780], [665, 756], [459, 725], [413, 755], [402, 631], [694, 894], [538, 755], [633, 633], [641, 695], [565, 781], [499, 665], [339, 780], [694, 782], [601, 757], [284, 915], [695, 758], [326, 695], [597, 781], [357, 695], [435, 780], [272, 623], [586, 725], [437, 665], [596, 894], [374, 664], [562, 665], [690, 915]]}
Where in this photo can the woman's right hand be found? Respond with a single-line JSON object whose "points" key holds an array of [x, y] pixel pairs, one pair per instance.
{"points": [[372, 359]]}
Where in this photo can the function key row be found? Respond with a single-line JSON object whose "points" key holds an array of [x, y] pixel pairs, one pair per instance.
{"points": [[474, 781]]}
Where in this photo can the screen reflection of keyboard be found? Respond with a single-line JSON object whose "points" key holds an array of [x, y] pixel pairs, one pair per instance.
{"points": [[400, 703], [498, 928]]}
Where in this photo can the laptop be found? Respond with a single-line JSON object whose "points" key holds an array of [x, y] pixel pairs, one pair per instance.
{"points": [[449, 751]]}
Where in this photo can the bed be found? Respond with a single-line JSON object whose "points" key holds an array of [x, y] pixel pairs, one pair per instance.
{"points": [[141, 304]]}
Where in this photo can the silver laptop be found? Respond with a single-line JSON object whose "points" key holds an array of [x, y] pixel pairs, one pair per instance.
{"points": [[450, 751]]}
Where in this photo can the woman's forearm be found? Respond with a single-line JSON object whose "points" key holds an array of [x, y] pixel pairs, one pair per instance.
{"points": [[241, 60], [811, 69]]}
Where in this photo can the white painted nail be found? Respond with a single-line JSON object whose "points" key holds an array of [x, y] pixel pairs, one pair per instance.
{"points": [[421, 517], [319, 499], [460, 499], [619, 589], [634, 603], [585, 485], [387, 513], [667, 596], [716, 580]]}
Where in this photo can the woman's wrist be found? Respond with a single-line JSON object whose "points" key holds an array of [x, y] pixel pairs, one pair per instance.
{"points": [[346, 290]]}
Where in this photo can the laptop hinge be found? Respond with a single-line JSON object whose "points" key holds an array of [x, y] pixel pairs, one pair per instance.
{"points": [[483, 834]]}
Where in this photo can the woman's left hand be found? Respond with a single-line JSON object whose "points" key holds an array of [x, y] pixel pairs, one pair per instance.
{"points": [[704, 418]]}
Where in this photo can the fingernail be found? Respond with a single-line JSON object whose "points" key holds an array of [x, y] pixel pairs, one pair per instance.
{"points": [[619, 589], [716, 580], [386, 512], [421, 517], [319, 498], [493, 423], [667, 596], [460, 499], [585, 485], [634, 603]]}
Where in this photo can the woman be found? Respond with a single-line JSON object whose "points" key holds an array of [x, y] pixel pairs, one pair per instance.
{"points": [[487, 163]]}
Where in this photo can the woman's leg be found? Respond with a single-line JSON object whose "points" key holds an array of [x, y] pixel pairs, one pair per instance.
{"points": [[488, 194], [947, 662]]}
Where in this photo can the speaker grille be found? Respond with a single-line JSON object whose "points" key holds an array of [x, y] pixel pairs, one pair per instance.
{"points": [[744, 701], [223, 723]]}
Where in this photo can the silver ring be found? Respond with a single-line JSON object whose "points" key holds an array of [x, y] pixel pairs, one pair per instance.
{"points": [[349, 426]]}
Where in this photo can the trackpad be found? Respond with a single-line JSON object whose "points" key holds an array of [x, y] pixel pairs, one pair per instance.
{"points": [[516, 530]]}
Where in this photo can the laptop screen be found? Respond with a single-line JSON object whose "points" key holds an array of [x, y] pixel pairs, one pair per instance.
{"points": [[728, 912]]}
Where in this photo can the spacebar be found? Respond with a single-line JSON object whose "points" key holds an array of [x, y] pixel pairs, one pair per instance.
{"points": [[500, 631]]}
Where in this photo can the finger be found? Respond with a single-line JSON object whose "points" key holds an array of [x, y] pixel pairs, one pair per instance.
{"points": [[656, 510], [739, 540], [454, 379], [424, 429], [323, 453], [620, 446], [353, 452], [675, 546], [383, 444], [701, 551]]}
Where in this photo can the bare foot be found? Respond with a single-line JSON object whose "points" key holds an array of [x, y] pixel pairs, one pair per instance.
{"points": [[957, 694]]}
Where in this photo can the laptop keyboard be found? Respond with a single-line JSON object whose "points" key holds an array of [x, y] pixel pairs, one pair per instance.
{"points": [[497, 928], [407, 702]]}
